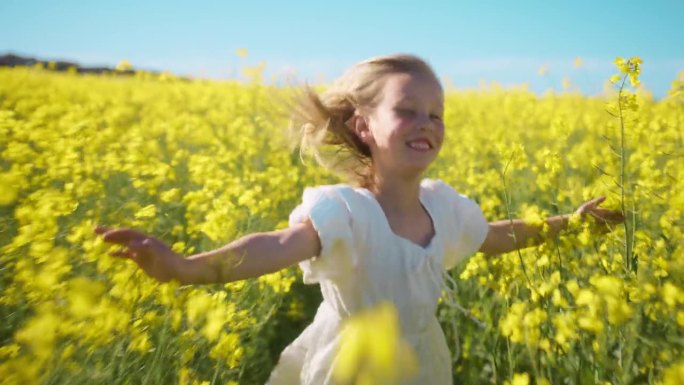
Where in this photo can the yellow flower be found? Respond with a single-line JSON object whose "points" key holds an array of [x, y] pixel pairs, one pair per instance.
{"points": [[533, 216], [172, 195], [573, 287], [255, 73], [40, 333], [140, 342], [674, 374], [520, 379], [631, 66], [565, 83], [543, 70], [124, 65], [621, 64], [197, 307], [671, 294], [228, 349], [371, 350], [566, 331], [149, 211], [607, 285], [278, 281], [241, 52], [9, 351], [9, 188], [578, 62], [83, 295], [590, 323], [213, 324], [511, 325]]}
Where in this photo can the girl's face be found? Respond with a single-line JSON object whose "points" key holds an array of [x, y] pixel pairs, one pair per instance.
{"points": [[405, 130]]}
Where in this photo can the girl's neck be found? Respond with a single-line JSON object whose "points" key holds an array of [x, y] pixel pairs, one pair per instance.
{"points": [[397, 194]]}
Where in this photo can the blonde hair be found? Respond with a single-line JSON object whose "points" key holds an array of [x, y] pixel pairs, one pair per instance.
{"points": [[319, 122]]}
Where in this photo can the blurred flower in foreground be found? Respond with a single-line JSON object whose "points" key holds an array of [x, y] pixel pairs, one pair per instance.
{"points": [[371, 350]]}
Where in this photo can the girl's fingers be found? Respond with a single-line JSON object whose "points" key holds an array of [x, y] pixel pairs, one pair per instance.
{"points": [[132, 239], [593, 204], [123, 254], [138, 246], [611, 214], [616, 216], [604, 215], [123, 236]]}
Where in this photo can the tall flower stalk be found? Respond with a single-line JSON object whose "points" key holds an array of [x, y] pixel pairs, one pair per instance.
{"points": [[629, 69]]}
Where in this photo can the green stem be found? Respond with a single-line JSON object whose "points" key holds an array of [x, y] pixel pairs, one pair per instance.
{"points": [[623, 165], [510, 220]]}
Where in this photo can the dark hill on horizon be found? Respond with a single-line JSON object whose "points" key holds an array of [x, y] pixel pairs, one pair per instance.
{"points": [[12, 60]]}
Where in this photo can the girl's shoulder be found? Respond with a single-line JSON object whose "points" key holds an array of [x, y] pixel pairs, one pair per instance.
{"points": [[340, 191], [427, 184], [450, 201], [437, 189], [359, 203], [359, 198], [353, 199], [441, 190], [431, 184]]}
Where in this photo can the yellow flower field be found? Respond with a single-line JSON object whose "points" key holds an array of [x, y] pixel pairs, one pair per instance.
{"points": [[199, 163]]}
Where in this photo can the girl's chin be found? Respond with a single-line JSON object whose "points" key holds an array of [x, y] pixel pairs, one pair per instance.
{"points": [[417, 165], [424, 158], [411, 164]]}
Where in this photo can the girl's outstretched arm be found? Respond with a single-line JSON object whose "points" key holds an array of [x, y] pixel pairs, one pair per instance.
{"points": [[509, 235], [250, 256]]}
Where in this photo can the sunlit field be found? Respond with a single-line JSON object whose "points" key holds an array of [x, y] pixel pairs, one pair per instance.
{"points": [[201, 163]]}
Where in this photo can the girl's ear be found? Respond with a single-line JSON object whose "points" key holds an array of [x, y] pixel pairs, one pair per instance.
{"points": [[359, 124]]}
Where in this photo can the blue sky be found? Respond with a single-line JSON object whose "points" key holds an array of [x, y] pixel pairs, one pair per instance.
{"points": [[466, 41]]}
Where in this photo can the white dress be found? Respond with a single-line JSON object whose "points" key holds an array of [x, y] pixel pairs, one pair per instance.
{"points": [[363, 262]]}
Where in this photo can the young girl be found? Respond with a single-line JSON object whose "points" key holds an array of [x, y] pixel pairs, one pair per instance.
{"points": [[388, 237]]}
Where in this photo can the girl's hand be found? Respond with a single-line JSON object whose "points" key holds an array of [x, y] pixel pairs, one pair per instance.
{"points": [[603, 218], [152, 255]]}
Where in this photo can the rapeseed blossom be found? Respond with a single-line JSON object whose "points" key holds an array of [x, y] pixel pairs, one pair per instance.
{"points": [[372, 351]]}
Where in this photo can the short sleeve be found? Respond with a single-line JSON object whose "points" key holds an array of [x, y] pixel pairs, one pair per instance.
{"points": [[467, 226], [330, 216]]}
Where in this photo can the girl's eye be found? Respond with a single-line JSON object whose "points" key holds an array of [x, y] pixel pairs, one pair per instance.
{"points": [[406, 111], [436, 117]]}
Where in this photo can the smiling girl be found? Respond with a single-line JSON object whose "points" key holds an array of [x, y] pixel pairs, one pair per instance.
{"points": [[387, 236]]}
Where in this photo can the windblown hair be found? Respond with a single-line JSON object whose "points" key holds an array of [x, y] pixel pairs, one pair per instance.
{"points": [[319, 123]]}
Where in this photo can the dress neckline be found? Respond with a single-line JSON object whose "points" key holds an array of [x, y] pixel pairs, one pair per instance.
{"points": [[388, 227]]}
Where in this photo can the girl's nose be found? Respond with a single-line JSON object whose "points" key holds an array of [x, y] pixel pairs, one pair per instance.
{"points": [[424, 122]]}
